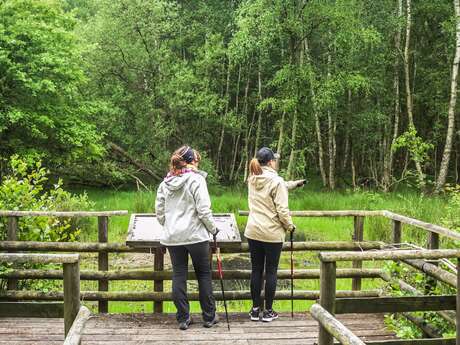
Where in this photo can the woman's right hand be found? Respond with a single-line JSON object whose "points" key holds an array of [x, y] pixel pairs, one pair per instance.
{"points": [[301, 183]]}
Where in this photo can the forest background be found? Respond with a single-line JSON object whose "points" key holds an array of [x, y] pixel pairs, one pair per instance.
{"points": [[351, 93]]}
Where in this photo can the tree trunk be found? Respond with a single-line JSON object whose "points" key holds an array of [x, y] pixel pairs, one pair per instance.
{"points": [[316, 116], [280, 141], [406, 164], [332, 123], [347, 135], [331, 148], [452, 104], [290, 168], [222, 132], [138, 164], [236, 148], [346, 149], [388, 173], [235, 154], [320, 149], [456, 167], [407, 64], [244, 156], [237, 95], [259, 122], [247, 145], [410, 115], [353, 170]]}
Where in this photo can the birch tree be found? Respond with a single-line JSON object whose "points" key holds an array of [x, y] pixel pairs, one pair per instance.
{"points": [[409, 98], [443, 169]]}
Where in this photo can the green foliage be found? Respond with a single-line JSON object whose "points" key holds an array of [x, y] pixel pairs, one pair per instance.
{"points": [[25, 189], [42, 112], [451, 218], [400, 325], [403, 328], [416, 146], [152, 75]]}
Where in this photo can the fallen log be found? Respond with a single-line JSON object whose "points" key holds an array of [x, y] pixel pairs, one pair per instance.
{"points": [[134, 161]]}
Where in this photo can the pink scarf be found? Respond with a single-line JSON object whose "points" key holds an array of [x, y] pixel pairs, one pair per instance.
{"points": [[188, 169]]}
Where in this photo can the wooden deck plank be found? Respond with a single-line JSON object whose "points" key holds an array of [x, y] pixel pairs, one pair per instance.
{"points": [[43, 342], [237, 321], [154, 342], [130, 329]]}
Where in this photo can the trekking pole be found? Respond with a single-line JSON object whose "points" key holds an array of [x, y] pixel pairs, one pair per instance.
{"points": [[292, 275], [221, 277]]}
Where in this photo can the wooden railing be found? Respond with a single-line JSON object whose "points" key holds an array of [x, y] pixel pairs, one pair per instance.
{"points": [[70, 295], [161, 296], [104, 275], [330, 303], [103, 220], [75, 333]]}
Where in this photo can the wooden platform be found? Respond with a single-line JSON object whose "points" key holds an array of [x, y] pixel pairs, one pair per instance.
{"points": [[130, 329]]}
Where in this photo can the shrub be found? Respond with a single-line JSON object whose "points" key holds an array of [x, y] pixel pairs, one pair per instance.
{"points": [[24, 188], [401, 326]]}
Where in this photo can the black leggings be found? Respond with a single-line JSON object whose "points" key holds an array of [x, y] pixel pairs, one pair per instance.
{"points": [[200, 259], [264, 254]]}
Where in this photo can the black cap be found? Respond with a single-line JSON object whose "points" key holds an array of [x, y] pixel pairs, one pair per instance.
{"points": [[265, 155]]}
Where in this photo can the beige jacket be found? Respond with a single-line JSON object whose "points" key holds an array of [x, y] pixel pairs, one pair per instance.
{"points": [[269, 217]]}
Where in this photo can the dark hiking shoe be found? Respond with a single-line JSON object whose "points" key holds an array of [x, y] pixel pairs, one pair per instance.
{"points": [[184, 325], [209, 324], [269, 315], [254, 314]]}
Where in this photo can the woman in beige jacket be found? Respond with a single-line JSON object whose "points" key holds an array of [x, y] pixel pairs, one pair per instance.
{"points": [[268, 222]]}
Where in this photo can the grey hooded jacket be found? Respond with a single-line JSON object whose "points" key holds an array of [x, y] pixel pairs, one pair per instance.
{"points": [[183, 208]]}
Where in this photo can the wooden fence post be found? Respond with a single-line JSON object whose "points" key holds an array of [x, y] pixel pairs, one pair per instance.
{"points": [[433, 240], [158, 265], [433, 243], [358, 235], [396, 231], [71, 293], [103, 260], [12, 235], [327, 297]]}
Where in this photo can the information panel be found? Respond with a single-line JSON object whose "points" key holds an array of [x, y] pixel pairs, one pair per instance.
{"points": [[145, 232]]}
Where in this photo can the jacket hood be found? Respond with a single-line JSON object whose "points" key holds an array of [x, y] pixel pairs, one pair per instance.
{"points": [[259, 181], [176, 182]]}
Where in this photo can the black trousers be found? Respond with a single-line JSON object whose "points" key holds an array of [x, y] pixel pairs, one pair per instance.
{"points": [[264, 254], [199, 253]]}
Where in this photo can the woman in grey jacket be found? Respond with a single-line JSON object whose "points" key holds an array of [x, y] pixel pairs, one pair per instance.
{"points": [[183, 208]]}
